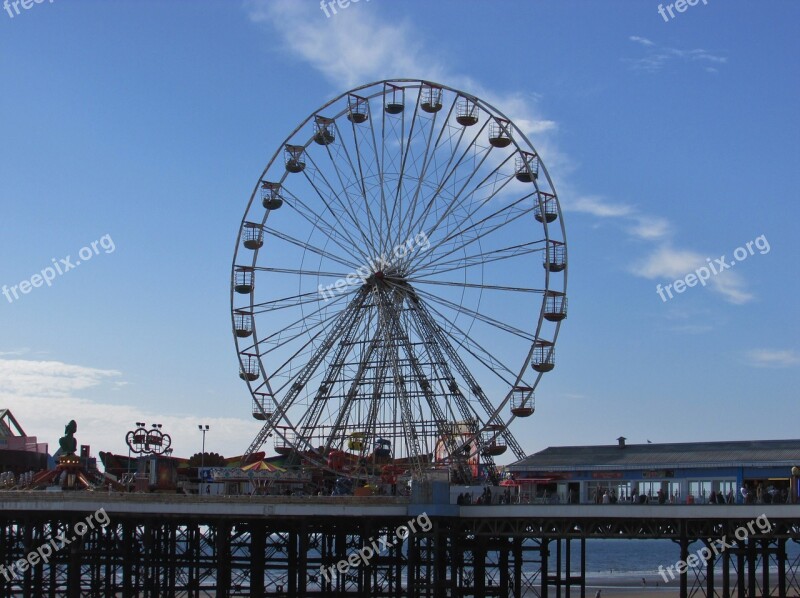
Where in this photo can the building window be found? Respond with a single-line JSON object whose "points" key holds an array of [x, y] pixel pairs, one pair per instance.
{"points": [[727, 488], [700, 490]]}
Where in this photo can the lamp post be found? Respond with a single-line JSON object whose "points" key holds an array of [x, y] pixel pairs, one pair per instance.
{"points": [[203, 429]]}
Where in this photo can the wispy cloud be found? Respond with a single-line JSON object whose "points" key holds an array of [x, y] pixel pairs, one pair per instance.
{"points": [[773, 358], [15, 352], [641, 40], [637, 224], [353, 48], [656, 56], [650, 228], [668, 264], [598, 206]]}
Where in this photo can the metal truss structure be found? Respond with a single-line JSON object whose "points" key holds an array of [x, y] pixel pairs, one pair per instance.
{"points": [[146, 555]]}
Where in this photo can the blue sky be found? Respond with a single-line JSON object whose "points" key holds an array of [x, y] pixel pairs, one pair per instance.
{"points": [[150, 122]]}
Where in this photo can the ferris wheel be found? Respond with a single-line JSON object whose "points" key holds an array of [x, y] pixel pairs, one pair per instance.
{"points": [[398, 283]]}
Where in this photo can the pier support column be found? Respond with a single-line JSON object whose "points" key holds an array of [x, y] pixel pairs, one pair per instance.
{"points": [[684, 542], [781, 567], [752, 556], [726, 574], [258, 545], [302, 558], [128, 539], [223, 548], [710, 571], [517, 567], [479, 565], [545, 551], [504, 547], [440, 558], [292, 563]]}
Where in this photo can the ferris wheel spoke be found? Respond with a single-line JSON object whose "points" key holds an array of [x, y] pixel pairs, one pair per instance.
{"points": [[492, 412], [427, 133], [483, 355], [325, 325], [281, 337], [460, 231], [374, 226], [346, 225], [296, 301], [483, 287], [459, 196], [307, 246], [300, 272], [477, 315], [288, 334], [337, 197], [398, 128], [480, 233], [445, 133], [329, 230], [404, 162], [309, 344], [414, 220], [441, 266], [359, 179]]}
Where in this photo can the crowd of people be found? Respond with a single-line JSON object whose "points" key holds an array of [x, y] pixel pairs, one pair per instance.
{"points": [[485, 498]]}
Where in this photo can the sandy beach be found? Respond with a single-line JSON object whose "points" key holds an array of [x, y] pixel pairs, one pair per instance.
{"points": [[629, 586]]}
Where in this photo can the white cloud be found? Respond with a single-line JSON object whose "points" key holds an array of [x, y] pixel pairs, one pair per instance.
{"points": [[669, 264], [48, 378], [732, 286], [776, 358], [45, 395], [650, 228], [351, 48], [15, 352], [641, 40], [656, 57], [597, 206], [666, 262]]}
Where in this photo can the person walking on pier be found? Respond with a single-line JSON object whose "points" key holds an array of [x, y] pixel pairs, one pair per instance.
{"points": [[597, 594]]}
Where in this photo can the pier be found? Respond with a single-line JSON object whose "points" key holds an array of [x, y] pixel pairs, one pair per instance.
{"points": [[165, 545]]}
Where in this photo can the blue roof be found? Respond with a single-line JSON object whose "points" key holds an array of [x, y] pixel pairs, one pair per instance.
{"points": [[745, 453]]}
